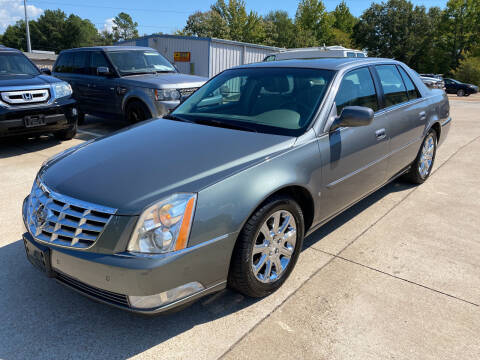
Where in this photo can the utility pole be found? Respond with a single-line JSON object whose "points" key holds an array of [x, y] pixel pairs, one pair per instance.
{"points": [[29, 46]]}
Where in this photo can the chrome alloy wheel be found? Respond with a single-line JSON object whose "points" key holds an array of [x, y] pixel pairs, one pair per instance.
{"points": [[426, 157], [274, 246]]}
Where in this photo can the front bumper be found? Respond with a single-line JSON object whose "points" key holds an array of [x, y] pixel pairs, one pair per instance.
{"points": [[58, 116], [115, 278], [164, 107]]}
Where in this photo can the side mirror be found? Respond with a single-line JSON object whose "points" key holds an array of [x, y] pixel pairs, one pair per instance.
{"points": [[103, 71], [353, 116], [46, 71]]}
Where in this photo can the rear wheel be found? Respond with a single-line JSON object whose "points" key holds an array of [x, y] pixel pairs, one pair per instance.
{"points": [[461, 92], [137, 111], [267, 248], [422, 166]]}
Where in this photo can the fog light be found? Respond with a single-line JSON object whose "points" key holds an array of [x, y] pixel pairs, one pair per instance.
{"points": [[166, 297]]}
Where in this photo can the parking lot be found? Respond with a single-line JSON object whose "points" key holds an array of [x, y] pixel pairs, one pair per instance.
{"points": [[396, 276]]}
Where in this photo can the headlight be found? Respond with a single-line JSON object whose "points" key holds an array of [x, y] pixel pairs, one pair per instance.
{"points": [[166, 94], [62, 89], [165, 226]]}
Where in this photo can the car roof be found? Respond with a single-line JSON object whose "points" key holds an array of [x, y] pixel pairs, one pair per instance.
{"points": [[110, 48], [5, 49], [323, 63]]}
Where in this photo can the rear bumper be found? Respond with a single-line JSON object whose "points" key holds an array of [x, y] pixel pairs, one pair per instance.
{"points": [[445, 129], [58, 116]]}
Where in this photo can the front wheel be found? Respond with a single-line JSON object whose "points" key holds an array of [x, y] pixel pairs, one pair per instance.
{"points": [[267, 248], [422, 166], [137, 111], [67, 134]]}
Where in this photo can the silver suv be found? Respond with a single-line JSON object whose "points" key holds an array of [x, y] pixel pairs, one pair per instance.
{"points": [[137, 83]]}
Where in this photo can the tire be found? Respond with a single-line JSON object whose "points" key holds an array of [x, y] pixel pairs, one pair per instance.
{"points": [[241, 275], [461, 92], [137, 111], [81, 118], [416, 175], [67, 134]]}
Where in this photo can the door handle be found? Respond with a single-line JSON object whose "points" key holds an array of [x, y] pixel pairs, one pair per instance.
{"points": [[423, 115], [381, 134]]}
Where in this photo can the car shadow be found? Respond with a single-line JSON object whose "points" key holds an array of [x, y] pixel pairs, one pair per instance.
{"points": [[43, 319], [17, 145]]}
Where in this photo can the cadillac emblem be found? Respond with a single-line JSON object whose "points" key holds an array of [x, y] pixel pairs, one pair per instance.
{"points": [[40, 216]]}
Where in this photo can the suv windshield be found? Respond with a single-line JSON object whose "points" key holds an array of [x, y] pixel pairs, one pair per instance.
{"points": [[272, 100], [16, 64], [130, 62]]}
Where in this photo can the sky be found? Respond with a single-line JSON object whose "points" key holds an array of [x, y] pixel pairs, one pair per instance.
{"points": [[157, 16]]}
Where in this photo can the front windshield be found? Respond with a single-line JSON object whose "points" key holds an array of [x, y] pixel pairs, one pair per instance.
{"points": [[272, 100], [16, 64], [130, 62]]}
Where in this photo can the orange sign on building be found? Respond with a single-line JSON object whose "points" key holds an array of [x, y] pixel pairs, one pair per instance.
{"points": [[181, 56]]}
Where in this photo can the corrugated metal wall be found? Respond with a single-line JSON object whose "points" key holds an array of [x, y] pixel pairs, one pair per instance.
{"points": [[198, 49], [208, 57], [224, 55]]}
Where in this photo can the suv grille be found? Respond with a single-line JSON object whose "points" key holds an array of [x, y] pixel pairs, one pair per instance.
{"points": [[22, 97], [64, 221], [187, 91]]}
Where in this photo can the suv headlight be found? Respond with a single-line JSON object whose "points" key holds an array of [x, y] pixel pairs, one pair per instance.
{"points": [[165, 226], [62, 89], [166, 94]]}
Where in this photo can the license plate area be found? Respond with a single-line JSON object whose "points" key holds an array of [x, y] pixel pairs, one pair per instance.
{"points": [[34, 120], [39, 257]]}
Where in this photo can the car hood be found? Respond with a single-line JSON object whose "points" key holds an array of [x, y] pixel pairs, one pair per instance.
{"points": [[26, 80], [166, 80], [139, 166]]}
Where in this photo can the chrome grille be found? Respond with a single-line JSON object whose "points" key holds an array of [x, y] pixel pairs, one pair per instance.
{"points": [[22, 97], [187, 91], [65, 221]]}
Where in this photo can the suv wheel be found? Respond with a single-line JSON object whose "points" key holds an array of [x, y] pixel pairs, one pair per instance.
{"points": [[137, 111], [67, 134], [267, 248]]}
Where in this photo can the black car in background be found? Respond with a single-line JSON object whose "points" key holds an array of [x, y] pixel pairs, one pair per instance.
{"points": [[461, 89], [32, 103]]}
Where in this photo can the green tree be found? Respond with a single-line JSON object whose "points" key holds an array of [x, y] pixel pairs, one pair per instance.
{"points": [[343, 19], [468, 70], [313, 23], [105, 38], [124, 27], [280, 29], [205, 24], [393, 29]]}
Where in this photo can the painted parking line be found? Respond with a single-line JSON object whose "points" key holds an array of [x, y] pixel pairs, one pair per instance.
{"points": [[90, 133]]}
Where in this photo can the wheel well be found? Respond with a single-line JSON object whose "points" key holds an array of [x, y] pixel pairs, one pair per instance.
{"points": [[438, 129], [133, 100], [303, 197]]}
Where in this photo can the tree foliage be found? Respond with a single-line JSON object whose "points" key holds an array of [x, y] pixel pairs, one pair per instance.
{"points": [[54, 31], [124, 28], [468, 70]]}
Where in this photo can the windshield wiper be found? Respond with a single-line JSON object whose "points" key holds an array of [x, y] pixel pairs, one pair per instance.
{"points": [[138, 73], [164, 71], [177, 118], [227, 125]]}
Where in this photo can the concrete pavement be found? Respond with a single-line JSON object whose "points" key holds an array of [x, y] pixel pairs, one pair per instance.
{"points": [[396, 276]]}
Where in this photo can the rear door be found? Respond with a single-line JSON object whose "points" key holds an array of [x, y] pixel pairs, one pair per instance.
{"points": [[354, 157], [406, 114]]}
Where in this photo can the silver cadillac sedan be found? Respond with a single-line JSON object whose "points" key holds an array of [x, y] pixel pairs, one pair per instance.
{"points": [[222, 191]]}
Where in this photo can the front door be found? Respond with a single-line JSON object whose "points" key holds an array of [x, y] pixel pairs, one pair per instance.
{"points": [[354, 158]]}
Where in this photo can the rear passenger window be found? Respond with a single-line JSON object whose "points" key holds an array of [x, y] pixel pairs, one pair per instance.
{"points": [[412, 91], [80, 62], [63, 64], [392, 84], [357, 89]]}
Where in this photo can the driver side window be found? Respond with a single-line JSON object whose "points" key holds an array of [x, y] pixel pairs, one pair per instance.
{"points": [[357, 89]]}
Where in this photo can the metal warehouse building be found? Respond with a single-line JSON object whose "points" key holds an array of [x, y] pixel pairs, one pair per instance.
{"points": [[203, 56]]}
